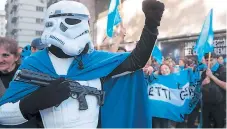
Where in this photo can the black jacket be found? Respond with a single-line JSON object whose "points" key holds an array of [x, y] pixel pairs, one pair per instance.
{"points": [[212, 93]]}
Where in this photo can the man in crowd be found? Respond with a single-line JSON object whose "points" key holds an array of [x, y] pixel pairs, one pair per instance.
{"points": [[214, 95], [37, 45], [220, 59]]}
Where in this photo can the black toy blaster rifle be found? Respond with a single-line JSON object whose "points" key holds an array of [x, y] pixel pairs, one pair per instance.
{"points": [[43, 80]]}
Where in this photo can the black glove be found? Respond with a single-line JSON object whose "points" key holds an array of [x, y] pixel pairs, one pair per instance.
{"points": [[153, 11], [44, 97]]}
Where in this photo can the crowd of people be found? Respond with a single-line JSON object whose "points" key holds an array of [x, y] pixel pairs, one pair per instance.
{"points": [[211, 109], [212, 113], [213, 103]]}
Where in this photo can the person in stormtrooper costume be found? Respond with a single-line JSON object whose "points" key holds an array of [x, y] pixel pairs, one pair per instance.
{"points": [[67, 33]]}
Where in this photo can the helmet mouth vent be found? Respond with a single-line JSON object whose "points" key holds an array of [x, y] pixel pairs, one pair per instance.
{"points": [[57, 39]]}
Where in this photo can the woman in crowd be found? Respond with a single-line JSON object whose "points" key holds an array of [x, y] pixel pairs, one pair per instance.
{"points": [[182, 63], [9, 58], [162, 122], [171, 64], [164, 70]]}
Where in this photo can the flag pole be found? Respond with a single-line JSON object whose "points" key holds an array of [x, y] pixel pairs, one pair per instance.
{"points": [[209, 56], [122, 15]]}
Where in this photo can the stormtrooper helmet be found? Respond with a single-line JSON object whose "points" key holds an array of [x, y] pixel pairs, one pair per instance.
{"points": [[67, 27]]}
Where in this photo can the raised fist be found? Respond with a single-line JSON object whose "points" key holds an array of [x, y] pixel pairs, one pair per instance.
{"points": [[153, 11]]}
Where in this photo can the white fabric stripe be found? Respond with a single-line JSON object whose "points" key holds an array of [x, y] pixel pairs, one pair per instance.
{"points": [[122, 74]]}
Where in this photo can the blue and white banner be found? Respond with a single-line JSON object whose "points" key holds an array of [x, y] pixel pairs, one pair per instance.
{"points": [[172, 96]]}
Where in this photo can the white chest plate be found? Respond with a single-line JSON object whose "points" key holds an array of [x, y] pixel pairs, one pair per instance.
{"points": [[67, 114]]}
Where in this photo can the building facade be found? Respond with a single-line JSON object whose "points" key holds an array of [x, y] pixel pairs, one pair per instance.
{"points": [[181, 24], [181, 17], [2, 23], [182, 46], [50, 2], [25, 19]]}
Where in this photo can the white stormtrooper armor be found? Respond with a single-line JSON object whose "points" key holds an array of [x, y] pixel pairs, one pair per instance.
{"points": [[67, 115], [10, 114], [66, 26], [68, 29]]}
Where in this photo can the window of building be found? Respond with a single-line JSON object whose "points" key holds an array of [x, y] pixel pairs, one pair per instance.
{"points": [[40, 9], [39, 20], [38, 33]]}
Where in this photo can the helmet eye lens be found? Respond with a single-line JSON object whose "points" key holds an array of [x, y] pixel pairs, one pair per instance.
{"points": [[72, 21]]}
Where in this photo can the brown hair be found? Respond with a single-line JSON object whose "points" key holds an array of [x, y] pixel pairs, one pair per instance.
{"points": [[10, 45]]}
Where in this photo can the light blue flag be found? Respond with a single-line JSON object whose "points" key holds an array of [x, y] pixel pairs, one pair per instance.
{"points": [[172, 96], [117, 18], [157, 54], [113, 17], [204, 43], [194, 89]]}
